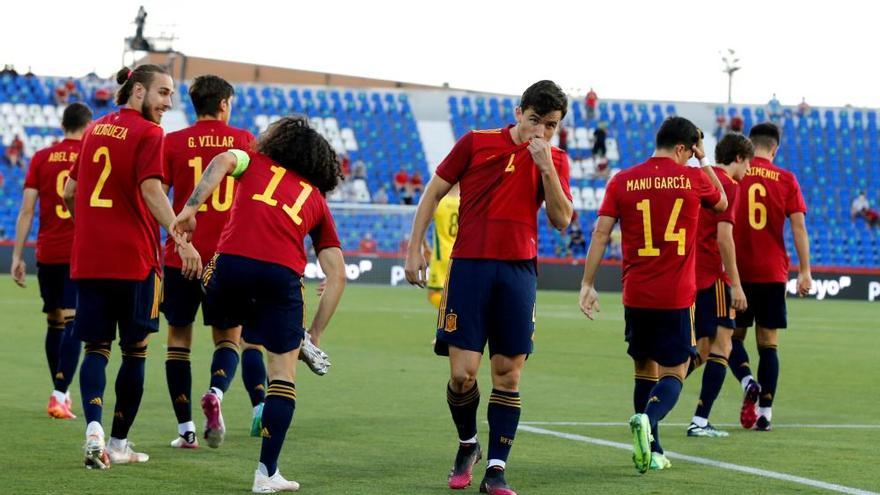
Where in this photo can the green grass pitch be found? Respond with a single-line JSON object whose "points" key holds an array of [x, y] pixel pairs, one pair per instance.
{"points": [[379, 424]]}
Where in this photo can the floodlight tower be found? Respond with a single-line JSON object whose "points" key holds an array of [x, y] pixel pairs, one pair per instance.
{"points": [[731, 65]]}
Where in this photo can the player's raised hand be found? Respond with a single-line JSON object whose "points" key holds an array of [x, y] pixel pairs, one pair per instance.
{"points": [[416, 268], [541, 154], [589, 300], [699, 152], [738, 301], [804, 283], [18, 272]]}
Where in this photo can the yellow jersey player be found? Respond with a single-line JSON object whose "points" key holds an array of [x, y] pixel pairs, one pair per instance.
{"points": [[445, 231]]}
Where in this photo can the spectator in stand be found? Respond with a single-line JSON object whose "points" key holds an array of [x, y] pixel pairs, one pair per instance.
{"points": [[862, 208], [803, 108], [72, 91], [591, 101], [736, 124], [102, 96], [562, 249], [359, 171], [577, 242], [775, 109], [401, 179], [367, 244], [345, 165], [61, 95], [599, 148], [563, 137], [381, 197], [720, 124], [416, 183], [14, 152]]}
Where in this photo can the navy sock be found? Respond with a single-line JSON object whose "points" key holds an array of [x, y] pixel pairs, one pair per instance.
{"points": [[253, 374], [129, 390], [68, 357], [642, 391], [54, 333], [768, 374], [713, 379], [663, 398], [463, 407], [504, 408], [739, 360], [178, 375], [224, 364], [277, 415], [93, 380]]}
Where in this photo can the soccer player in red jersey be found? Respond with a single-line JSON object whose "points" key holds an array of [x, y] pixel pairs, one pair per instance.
{"points": [[489, 296], [115, 193], [187, 153], [770, 195], [255, 279], [719, 290], [45, 181], [658, 204]]}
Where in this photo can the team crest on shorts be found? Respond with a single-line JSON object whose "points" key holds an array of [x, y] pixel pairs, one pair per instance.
{"points": [[451, 322]]}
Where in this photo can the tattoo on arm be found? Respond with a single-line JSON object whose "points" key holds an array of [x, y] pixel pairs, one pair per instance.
{"points": [[211, 179]]}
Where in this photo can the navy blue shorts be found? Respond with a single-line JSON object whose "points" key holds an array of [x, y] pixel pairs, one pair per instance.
{"points": [[56, 288], [103, 304], [181, 299], [266, 298], [766, 306], [662, 335], [713, 309], [488, 301]]}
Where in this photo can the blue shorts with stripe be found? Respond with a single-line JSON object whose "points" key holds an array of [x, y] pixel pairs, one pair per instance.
{"points": [[662, 335], [102, 304], [713, 309], [488, 301], [266, 298], [56, 288], [766, 306]]}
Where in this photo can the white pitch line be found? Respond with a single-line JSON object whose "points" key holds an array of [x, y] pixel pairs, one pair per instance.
{"points": [[707, 462], [727, 425]]}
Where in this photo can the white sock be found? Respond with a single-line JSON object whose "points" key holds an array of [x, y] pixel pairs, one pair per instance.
{"points": [[59, 396], [182, 428], [219, 393], [701, 422], [117, 443], [496, 462], [469, 440], [767, 412], [263, 469], [94, 428], [745, 382]]}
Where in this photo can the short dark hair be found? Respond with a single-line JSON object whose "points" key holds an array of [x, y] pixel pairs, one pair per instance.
{"points": [[76, 117], [733, 146], [677, 130], [291, 143], [765, 135], [206, 93], [544, 97], [141, 74]]}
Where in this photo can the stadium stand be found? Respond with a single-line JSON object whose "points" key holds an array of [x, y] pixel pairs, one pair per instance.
{"points": [[832, 152]]}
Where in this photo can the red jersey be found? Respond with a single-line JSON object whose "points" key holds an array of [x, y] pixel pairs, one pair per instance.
{"points": [[770, 195], [47, 174], [273, 210], [501, 193], [658, 204], [115, 235], [187, 153], [709, 265]]}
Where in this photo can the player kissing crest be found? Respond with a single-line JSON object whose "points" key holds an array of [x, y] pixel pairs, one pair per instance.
{"points": [[451, 322]]}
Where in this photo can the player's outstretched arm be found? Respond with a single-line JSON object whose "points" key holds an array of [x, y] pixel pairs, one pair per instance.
{"points": [[333, 266], [157, 201], [802, 246], [416, 265], [221, 165], [589, 298], [22, 231], [728, 258], [69, 195]]}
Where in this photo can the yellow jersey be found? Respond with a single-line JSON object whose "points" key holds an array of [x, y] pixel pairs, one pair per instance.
{"points": [[445, 231]]}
